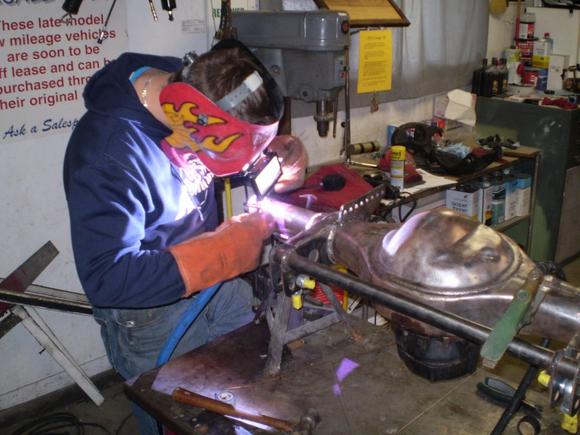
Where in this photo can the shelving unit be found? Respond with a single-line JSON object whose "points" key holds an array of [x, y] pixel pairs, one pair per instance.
{"points": [[556, 134]]}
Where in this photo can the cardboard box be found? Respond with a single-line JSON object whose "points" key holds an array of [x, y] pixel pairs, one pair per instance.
{"points": [[558, 63], [465, 199]]}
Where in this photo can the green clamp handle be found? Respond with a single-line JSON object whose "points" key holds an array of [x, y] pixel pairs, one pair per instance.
{"points": [[510, 323]]}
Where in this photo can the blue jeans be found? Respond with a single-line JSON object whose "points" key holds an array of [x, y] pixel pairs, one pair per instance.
{"points": [[134, 337]]}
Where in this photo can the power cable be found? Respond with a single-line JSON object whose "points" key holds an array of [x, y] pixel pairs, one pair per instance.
{"points": [[48, 424]]}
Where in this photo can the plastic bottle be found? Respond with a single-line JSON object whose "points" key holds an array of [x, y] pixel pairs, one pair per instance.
{"points": [[513, 57], [549, 42], [502, 77], [542, 51], [477, 82], [526, 26], [491, 79]]}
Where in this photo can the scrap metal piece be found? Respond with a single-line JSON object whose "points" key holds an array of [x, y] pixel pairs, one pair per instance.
{"points": [[189, 397], [361, 208], [25, 274]]}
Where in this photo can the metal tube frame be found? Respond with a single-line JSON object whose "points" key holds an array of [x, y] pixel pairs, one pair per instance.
{"points": [[532, 354]]}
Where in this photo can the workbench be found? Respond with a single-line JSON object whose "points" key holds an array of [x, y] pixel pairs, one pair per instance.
{"points": [[433, 186], [357, 387]]}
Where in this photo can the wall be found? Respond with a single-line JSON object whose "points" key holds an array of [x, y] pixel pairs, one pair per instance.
{"points": [[34, 207]]}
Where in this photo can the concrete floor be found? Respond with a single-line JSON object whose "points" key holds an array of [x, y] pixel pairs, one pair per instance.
{"points": [[413, 406]]}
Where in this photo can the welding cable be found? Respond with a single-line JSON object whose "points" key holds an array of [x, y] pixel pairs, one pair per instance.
{"points": [[51, 423], [192, 313]]}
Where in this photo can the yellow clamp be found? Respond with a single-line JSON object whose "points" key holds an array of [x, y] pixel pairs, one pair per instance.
{"points": [[304, 281], [297, 300], [569, 423]]}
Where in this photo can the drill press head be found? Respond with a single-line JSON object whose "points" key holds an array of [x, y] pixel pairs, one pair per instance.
{"points": [[304, 51]]}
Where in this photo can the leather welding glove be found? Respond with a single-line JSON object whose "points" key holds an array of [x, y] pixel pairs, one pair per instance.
{"points": [[293, 159], [232, 249]]}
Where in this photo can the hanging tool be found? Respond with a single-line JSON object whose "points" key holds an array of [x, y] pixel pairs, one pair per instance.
{"points": [[102, 32], [71, 7], [225, 29], [169, 6], [153, 10]]}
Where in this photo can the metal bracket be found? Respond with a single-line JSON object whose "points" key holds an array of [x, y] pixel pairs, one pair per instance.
{"points": [[361, 208], [562, 388]]}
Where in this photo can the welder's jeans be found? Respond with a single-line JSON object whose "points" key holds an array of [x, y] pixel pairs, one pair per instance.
{"points": [[134, 338]]}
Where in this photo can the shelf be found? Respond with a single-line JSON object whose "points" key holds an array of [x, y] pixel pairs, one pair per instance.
{"points": [[510, 223]]}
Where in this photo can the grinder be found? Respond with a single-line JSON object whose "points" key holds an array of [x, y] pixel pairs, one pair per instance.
{"points": [[303, 51]]}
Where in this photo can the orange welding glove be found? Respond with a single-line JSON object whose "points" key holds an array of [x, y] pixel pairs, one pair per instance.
{"points": [[232, 249], [293, 159]]}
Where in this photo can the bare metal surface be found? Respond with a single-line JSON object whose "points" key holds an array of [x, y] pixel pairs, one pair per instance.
{"points": [[447, 254], [441, 259], [454, 264]]}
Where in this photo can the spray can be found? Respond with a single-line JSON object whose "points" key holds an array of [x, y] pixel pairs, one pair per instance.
{"points": [[486, 201], [398, 154], [524, 183], [511, 193], [497, 199]]}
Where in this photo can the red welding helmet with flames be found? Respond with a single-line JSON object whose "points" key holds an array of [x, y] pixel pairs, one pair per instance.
{"points": [[228, 144]]}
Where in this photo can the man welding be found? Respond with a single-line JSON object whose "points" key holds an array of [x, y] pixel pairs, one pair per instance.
{"points": [[139, 180]]}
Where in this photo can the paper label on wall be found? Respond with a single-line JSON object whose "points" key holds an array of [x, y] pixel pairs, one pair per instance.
{"points": [[375, 65], [45, 62], [197, 21]]}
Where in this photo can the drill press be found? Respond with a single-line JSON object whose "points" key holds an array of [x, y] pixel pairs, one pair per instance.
{"points": [[305, 52]]}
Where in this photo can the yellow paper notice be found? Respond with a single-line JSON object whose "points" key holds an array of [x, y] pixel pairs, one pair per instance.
{"points": [[375, 63]]}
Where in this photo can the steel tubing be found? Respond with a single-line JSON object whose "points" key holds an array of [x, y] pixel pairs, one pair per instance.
{"points": [[463, 328]]}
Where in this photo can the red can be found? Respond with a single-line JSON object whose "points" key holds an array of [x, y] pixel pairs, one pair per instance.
{"points": [[530, 76]]}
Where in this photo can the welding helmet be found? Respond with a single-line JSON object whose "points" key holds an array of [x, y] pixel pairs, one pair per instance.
{"points": [[225, 144]]}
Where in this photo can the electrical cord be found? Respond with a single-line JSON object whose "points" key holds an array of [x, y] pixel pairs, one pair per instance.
{"points": [[48, 424], [406, 196], [125, 420], [64, 420], [400, 198]]}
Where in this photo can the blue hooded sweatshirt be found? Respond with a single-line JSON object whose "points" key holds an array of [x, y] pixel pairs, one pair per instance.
{"points": [[127, 201]]}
